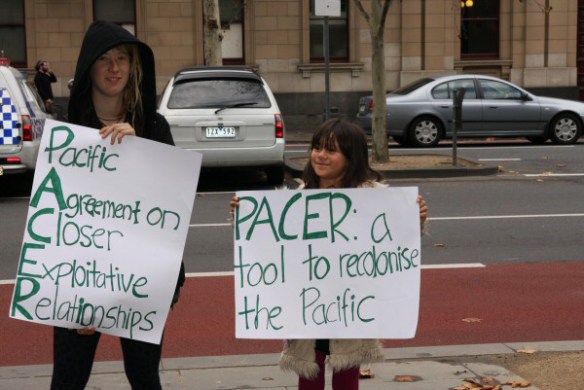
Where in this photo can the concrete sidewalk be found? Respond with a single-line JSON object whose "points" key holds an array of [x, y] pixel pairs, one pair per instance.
{"points": [[430, 368]]}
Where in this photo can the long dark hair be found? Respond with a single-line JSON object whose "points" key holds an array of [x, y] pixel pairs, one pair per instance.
{"points": [[352, 143]]}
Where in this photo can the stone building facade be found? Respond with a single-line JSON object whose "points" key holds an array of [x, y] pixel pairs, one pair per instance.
{"points": [[533, 43]]}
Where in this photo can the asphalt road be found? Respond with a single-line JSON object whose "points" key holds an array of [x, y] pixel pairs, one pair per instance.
{"points": [[498, 303], [511, 242], [531, 212]]}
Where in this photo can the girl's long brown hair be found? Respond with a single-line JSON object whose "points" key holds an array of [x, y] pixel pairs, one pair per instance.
{"points": [[132, 99], [352, 142]]}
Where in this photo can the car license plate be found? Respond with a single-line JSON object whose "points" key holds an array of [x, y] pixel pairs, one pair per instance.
{"points": [[220, 132]]}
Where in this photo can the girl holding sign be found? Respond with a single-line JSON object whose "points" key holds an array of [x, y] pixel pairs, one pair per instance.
{"points": [[114, 90], [338, 159]]}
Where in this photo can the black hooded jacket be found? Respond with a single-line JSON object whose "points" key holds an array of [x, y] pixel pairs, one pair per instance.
{"points": [[101, 37]]}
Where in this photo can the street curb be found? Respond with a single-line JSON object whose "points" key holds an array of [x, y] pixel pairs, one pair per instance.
{"points": [[395, 354], [413, 173]]}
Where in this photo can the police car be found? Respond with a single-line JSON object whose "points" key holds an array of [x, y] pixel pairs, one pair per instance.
{"points": [[23, 114]]}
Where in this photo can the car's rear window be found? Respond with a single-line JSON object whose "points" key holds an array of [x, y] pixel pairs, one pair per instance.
{"points": [[412, 86], [206, 93]]}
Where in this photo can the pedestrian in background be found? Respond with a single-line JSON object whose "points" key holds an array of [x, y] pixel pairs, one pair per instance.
{"points": [[339, 158], [43, 79], [114, 90]]}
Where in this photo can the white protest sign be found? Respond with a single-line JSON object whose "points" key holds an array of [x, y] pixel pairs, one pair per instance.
{"points": [[327, 263], [105, 232]]}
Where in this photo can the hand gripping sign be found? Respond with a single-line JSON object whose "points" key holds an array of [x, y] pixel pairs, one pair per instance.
{"points": [[105, 232], [327, 263]]}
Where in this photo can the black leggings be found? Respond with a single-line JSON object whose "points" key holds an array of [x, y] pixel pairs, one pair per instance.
{"points": [[74, 353]]}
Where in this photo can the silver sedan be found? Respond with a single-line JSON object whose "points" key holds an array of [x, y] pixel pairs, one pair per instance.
{"points": [[420, 114]]}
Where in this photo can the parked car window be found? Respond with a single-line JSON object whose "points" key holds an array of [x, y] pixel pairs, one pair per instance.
{"points": [[446, 90], [218, 93], [412, 86], [32, 95], [496, 90]]}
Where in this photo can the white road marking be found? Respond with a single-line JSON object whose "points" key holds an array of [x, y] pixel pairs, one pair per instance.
{"points": [[210, 224], [492, 147], [551, 174], [498, 159], [467, 218], [453, 266], [208, 274], [505, 217]]}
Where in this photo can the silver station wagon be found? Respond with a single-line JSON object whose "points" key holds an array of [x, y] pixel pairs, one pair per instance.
{"points": [[420, 114], [230, 115]]}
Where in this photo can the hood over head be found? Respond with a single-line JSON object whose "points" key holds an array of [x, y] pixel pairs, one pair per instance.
{"points": [[99, 38]]}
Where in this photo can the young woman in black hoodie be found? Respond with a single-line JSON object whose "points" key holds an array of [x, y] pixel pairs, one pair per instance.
{"points": [[114, 90]]}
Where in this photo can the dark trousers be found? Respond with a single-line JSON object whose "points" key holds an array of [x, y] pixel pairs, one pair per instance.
{"points": [[342, 380], [73, 356]]}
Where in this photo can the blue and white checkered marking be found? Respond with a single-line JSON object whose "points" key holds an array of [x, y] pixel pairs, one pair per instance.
{"points": [[9, 126]]}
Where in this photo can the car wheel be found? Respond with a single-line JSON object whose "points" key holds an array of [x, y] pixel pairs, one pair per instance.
{"points": [[425, 131], [565, 129], [537, 140], [275, 175]]}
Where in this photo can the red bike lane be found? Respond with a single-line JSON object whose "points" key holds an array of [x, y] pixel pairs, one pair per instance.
{"points": [[496, 304]]}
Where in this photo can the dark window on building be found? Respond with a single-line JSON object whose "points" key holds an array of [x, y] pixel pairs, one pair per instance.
{"points": [[12, 32], [231, 14], [122, 12], [338, 35], [479, 33]]}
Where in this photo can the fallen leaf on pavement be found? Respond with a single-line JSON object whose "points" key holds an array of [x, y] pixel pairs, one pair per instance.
{"points": [[527, 350], [469, 384], [405, 378], [539, 180], [561, 165], [485, 383], [518, 384], [472, 319], [440, 245], [489, 380]]}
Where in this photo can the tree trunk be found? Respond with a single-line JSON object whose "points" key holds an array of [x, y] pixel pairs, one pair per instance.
{"points": [[376, 21], [212, 33]]}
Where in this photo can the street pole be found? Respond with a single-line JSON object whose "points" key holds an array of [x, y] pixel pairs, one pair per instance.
{"points": [[326, 8], [457, 99], [325, 48]]}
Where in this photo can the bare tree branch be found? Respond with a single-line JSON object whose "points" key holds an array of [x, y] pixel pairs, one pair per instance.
{"points": [[363, 11]]}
